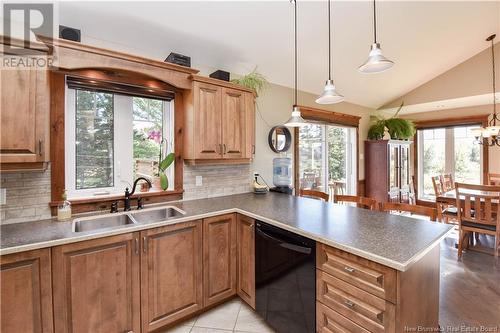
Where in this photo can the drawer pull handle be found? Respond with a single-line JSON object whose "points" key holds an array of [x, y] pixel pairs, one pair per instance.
{"points": [[349, 304], [349, 269]]}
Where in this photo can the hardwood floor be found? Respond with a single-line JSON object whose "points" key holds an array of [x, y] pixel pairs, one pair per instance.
{"points": [[470, 289]]}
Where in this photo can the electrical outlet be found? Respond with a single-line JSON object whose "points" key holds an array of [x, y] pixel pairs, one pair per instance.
{"points": [[3, 196], [199, 180]]}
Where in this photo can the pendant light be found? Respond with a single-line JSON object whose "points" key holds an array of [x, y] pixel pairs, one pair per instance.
{"points": [[490, 135], [296, 119], [329, 95], [376, 62]]}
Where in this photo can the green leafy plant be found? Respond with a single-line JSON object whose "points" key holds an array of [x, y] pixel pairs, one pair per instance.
{"points": [[399, 129], [253, 80], [162, 167]]}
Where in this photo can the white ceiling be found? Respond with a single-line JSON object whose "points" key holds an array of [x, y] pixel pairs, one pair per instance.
{"points": [[424, 38]]}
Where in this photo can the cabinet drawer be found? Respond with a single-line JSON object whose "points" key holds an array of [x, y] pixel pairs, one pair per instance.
{"points": [[369, 311], [374, 278], [329, 321]]}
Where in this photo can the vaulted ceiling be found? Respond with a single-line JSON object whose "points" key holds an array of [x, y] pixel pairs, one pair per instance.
{"points": [[424, 38]]}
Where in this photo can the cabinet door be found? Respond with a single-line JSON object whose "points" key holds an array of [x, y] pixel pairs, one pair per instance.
{"points": [[246, 259], [233, 123], [26, 293], [96, 285], [219, 258], [393, 155], [250, 125], [404, 173], [171, 274], [24, 115], [208, 135]]}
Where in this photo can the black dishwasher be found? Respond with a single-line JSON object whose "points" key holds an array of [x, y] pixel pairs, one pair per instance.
{"points": [[285, 279]]}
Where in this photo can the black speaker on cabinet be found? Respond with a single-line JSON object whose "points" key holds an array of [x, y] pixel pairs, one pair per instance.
{"points": [[69, 33]]}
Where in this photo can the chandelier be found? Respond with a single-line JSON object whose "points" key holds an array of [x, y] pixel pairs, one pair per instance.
{"points": [[490, 135]]}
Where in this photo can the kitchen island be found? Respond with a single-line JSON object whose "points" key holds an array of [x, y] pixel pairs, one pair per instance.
{"points": [[375, 272]]}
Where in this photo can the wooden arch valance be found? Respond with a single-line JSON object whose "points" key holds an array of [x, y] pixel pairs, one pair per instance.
{"points": [[68, 55]]}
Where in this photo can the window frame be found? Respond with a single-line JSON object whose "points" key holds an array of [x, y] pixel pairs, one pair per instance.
{"points": [[334, 119], [122, 132], [481, 120], [57, 133]]}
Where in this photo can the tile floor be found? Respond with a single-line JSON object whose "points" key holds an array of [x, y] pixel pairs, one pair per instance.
{"points": [[233, 316]]}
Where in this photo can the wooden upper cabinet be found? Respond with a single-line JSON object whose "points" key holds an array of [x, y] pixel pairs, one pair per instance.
{"points": [[26, 292], [171, 274], [96, 285], [219, 122], [219, 258], [233, 123], [250, 125], [207, 101], [245, 235], [24, 114]]}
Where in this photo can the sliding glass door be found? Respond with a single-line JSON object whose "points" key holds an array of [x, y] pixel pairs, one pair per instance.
{"points": [[447, 150], [327, 158]]}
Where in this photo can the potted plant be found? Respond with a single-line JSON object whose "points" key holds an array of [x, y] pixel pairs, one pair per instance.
{"points": [[397, 128], [160, 181], [253, 80]]}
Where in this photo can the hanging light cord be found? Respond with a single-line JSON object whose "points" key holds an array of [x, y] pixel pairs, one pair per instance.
{"points": [[329, 43], [296, 53], [374, 22], [494, 120]]}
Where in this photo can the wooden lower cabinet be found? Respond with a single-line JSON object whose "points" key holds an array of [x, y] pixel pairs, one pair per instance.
{"points": [[329, 321], [354, 294], [171, 273], [219, 258], [245, 234], [96, 285], [26, 292]]}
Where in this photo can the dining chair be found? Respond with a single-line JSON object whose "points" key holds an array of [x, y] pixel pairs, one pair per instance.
{"points": [[478, 212], [446, 213], [494, 179], [429, 212], [363, 202], [314, 194], [447, 182]]}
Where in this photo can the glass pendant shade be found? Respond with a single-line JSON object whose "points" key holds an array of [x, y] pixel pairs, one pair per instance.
{"points": [[329, 95], [376, 62], [296, 119]]}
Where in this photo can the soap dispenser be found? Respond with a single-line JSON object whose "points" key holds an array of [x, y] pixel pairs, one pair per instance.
{"points": [[64, 209]]}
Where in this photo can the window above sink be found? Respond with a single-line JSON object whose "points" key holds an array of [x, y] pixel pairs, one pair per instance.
{"points": [[113, 138]]}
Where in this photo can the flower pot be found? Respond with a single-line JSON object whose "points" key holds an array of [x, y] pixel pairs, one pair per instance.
{"points": [[156, 184]]}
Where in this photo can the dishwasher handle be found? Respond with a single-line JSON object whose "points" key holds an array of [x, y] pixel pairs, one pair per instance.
{"points": [[284, 244]]}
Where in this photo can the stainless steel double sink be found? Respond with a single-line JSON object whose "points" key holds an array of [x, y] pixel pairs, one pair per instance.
{"points": [[123, 219]]}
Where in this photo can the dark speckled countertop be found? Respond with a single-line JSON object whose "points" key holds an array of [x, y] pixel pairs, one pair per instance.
{"points": [[391, 240]]}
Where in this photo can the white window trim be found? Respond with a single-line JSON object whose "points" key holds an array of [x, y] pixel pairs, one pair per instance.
{"points": [[122, 146], [449, 158]]}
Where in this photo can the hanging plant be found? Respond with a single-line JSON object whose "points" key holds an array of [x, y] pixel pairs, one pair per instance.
{"points": [[399, 129], [253, 80]]}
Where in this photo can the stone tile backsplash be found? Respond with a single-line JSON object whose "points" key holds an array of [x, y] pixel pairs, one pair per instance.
{"points": [[28, 194], [218, 180]]}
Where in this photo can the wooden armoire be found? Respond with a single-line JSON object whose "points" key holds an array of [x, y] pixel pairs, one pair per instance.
{"points": [[387, 170]]}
